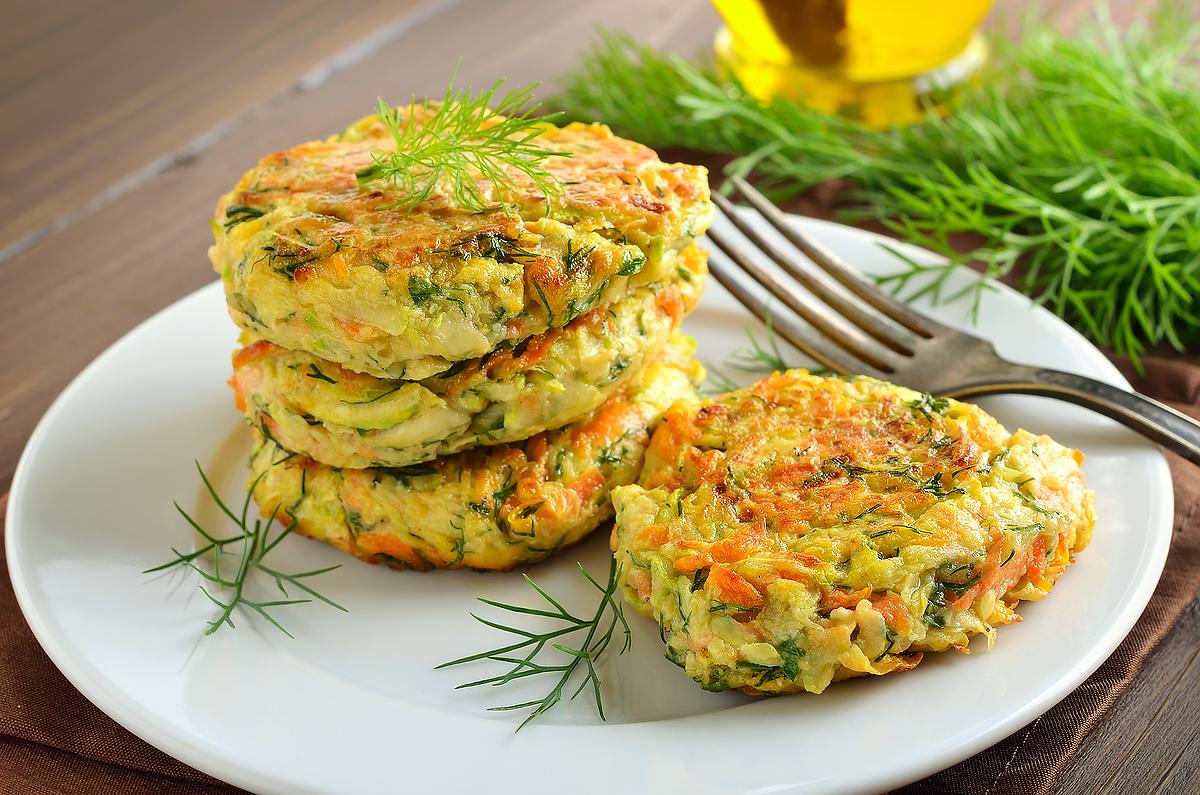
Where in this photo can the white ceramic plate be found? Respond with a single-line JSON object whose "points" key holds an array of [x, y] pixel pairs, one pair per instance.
{"points": [[353, 704]]}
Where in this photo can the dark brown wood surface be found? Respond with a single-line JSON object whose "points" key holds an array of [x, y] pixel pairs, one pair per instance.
{"points": [[123, 122], [1142, 745]]}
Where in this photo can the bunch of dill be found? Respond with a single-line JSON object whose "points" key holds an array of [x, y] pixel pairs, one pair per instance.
{"points": [[1076, 160]]}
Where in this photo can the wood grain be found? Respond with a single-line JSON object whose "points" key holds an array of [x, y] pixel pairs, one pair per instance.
{"points": [[1145, 738], [95, 92], [83, 286]]}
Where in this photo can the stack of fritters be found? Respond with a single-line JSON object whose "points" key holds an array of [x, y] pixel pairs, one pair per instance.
{"points": [[432, 386]]}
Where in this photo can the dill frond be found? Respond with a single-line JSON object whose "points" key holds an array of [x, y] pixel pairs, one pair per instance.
{"points": [[462, 144], [250, 545], [1076, 160], [583, 655]]}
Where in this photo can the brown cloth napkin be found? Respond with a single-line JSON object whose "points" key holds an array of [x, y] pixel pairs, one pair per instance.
{"points": [[52, 740]]}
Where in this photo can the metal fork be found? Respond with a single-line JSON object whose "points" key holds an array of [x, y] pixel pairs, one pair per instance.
{"points": [[849, 325]]}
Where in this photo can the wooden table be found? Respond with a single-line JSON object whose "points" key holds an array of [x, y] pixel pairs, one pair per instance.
{"points": [[123, 122]]}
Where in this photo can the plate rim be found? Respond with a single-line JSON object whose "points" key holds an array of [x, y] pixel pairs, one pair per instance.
{"points": [[165, 735]]}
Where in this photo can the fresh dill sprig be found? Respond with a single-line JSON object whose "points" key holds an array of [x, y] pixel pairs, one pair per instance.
{"points": [[255, 544], [1075, 160], [763, 358], [462, 143], [597, 632], [717, 382], [760, 357]]}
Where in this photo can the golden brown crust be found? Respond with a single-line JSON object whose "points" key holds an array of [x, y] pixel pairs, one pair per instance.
{"points": [[312, 260], [347, 419], [806, 529], [486, 508]]}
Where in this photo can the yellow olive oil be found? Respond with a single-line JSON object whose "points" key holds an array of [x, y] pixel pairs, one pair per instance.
{"points": [[882, 61]]}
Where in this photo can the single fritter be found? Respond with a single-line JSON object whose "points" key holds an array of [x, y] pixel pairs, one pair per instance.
{"points": [[485, 508], [313, 261], [809, 529], [347, 419]]}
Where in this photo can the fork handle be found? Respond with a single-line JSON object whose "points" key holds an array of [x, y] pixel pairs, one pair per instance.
{"points": [[1161, 423]]}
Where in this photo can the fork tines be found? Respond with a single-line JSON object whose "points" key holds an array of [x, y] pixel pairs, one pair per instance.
{"points": [[845, 322]]}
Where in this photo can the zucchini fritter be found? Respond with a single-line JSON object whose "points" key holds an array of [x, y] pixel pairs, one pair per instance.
{"points": [[347, 419], [313, 262], [485, 508], [808, 529]]}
